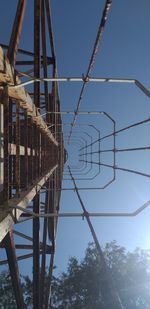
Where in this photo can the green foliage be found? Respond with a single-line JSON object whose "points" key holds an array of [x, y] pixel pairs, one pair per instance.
{"points": [[28, 292], [83, 284], [6, 293], [7, 298]]}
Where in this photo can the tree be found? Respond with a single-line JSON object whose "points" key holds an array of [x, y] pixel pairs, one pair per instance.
{"points": [[6, 292], [81, 286], [7, 298]]}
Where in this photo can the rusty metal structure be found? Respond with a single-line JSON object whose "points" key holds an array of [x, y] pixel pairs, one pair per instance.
{"points": [[33, 133], [32, 155]]}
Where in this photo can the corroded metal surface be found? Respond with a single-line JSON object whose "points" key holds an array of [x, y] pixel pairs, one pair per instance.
{"points": [[29, 151]]}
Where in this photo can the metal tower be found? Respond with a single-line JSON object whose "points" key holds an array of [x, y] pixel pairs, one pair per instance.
{"points": [[31, 150], [33, 133]]}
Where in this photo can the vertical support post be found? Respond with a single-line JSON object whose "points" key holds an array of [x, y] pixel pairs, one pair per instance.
{"points": [[1, 146], [36, 255], [11, 140], [8, 243], [32, 147], [114, 153], [30, 158], [17, 149], [36, 222], [6, 141], [48, 287], [16, 32], [43, 261], [108, 283], [43, 32], [26, 147], [35, 147], [37, 14], [40, 152]]}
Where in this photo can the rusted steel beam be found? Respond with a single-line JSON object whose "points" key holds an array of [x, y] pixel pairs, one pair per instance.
{"points": [[30, 144], [34, 142], [49, 249], [36, 255], [25, 256], [36, 202], [26, 52], [49, 282], [16, 32], [50, 32], [29, 72], [26, 147], [36, 159], [19, 246], [7, 216], [43, 260], [37, 13], [17, 157], [41, 154], [22, 235], [36, 222], [8, 243], [51, 209], [31, 62], [30, 247], [5, 100], [25, 101], [1, 147], [43, 33], [11, 137], [19, 258]]}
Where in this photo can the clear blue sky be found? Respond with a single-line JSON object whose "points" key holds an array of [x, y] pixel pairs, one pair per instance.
{"points": [[124, 52]]}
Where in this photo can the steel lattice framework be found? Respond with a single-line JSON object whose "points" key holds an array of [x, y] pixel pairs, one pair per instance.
{"points": [[32, 153]]}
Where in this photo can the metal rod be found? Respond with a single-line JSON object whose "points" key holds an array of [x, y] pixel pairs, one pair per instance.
{"points": [[31, 62], [16, 32], [36, 223], [36, 254], [22, 235], [120, 169], [80, 79], [20, 258], [24, 52], [17, 157], [44, 49], [50, 31], [92, 59], [89, 214], [49, 282], [26, 140], [8, 243], [5, 100], [119, 150], [120, 130], [108, 282], [43, 258]]}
